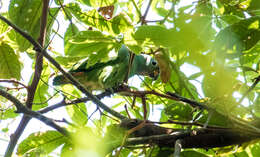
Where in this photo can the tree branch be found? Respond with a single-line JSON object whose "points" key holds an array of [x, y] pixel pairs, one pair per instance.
{"points": [[33, 86], [196, 138], [22, 109], [169, 95]]}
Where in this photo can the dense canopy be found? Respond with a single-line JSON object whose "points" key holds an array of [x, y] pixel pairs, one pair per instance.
{"points": [[205, 102]]}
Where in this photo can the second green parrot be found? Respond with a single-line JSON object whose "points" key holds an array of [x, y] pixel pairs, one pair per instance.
{"points": [[106, 75]]}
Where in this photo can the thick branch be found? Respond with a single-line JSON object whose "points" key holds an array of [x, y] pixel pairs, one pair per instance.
{"points": [[202, 139], [196, 138]]}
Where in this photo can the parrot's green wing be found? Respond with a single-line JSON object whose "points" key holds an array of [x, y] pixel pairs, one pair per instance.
{"points": [[105, 75]]}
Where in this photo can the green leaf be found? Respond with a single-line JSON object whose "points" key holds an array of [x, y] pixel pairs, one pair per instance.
{"points": [[59, 2], [161, 11], [71, 31], [87, 42], [255, 149], [8, 113], [26, 15], [194, 76], [238, 37], [116, 25], [178, 111], [40, 142], [98, 3], [3, 27], [10, 67], [68, 61], [192, 153], [157, 35], [41, 94], [78, 113], [218, 84], [66, 150], [254, 7], [197, 27], [162, 152], [231, 19]]}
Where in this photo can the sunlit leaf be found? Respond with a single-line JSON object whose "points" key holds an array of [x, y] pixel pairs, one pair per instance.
{"points": [[157, 35], [118, 24], [10, 67], [78, 113], [40, 143], [20, 12], [8, 113]]}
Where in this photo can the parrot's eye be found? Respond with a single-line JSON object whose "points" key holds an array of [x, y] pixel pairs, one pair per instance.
{"points": [[154, 63]]}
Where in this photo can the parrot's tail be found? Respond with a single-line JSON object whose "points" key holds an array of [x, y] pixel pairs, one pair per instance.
{"points": [[59, 80]]}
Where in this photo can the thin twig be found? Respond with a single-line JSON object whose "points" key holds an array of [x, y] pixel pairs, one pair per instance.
{"points": [[144, 107], [146, 12], [14, 82], [126, 110], [72, 102], [250, 89]]}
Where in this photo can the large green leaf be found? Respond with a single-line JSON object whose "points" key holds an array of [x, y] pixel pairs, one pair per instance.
{"points": [[87, 42], [10, 67], [254, 7], [239, 36], [68, 61], [157, 35], [26, 15], [178, 111], [71, 31], [116, 25], [40, 143]]}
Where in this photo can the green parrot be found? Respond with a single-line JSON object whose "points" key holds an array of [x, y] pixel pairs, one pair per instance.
{"points": [[106, 75]]}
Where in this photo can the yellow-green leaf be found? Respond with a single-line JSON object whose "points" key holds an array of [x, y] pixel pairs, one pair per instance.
{"points": [[10, 67]]}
